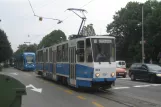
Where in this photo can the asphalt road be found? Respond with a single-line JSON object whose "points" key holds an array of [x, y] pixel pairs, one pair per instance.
{"points": [[125, 93]]}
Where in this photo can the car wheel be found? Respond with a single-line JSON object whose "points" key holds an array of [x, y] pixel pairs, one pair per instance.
{"points": [[124, 76], [133, 77], [152, 79]]}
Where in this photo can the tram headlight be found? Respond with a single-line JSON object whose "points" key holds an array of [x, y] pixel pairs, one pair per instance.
{"points": [[112, 74], [159, 75], [97, 74]]}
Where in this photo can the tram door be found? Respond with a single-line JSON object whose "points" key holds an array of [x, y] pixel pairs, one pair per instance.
{"points": [[54, 64], [72, 68]]}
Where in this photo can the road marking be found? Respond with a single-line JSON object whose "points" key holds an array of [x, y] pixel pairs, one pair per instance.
{"points": [[69, 91], [120, 88], [14, 73], [34, 88], [137, 86], [60, 88], [124, 78], [97, 104], [142, 86], [80, 97], [147, 85], [156, 84]]}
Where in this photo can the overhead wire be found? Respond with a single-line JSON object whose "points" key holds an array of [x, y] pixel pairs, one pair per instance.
{"points": [[31, 7], [39, 17], [46, 4], [80, 7], [41, 6], [66, 17], [59, 21]]}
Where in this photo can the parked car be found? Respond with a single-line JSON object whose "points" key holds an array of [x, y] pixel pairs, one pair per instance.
{"points": [[121, 72], [121, 64], [148, 72]]}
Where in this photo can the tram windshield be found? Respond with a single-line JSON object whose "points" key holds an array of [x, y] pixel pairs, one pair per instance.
{"points": [[103, 50], [29, 59]]}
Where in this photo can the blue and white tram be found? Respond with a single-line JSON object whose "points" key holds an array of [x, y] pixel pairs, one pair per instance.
{"points": [[81, 62], [25, 61]]}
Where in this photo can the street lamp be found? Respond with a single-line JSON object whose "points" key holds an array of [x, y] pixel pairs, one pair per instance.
{"points": [[143, 56]]}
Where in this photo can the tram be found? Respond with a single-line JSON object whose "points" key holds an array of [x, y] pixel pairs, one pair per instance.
{"points": [[88, 62], [25, 61]]}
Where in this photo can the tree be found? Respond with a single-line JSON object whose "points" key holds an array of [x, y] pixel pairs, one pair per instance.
{"points": [[5, 47], [31, 48], [88, 30], [26, 48], [54, 37], [127, 29]]}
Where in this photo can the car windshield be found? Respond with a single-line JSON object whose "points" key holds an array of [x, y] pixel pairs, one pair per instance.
{"points": [[122, 63], [103, 50], [29, 59], [154, 67]]}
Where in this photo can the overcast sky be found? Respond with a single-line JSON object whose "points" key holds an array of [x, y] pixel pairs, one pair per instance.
{"points": [[18, 20]]}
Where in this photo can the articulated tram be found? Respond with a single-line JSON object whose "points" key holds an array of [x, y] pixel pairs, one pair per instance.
{"points": [[81, 62]]}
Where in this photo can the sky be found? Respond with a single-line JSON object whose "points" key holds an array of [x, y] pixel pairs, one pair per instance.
{"points": [[18, 20]]}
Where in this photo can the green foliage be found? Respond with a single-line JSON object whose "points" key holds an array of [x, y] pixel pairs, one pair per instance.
{"points": [[26, 48], [54, 37], [5, 47], [127, 28]]}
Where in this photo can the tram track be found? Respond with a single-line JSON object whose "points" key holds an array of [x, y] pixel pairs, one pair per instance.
{"points": [[128, 100]]}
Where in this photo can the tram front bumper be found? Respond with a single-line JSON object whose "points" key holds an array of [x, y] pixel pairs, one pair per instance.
{"points": [[103, 82], [104, 79]]}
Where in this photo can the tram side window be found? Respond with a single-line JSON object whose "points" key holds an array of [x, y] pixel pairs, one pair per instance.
{"points": [[46, 55], [37, 56], [41, 56], [50, 54], [88, 51], [63, 53], [66, 52], [80, 51], [59, 53]]}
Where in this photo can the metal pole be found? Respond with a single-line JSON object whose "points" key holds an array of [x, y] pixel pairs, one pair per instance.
{"points": [[143, 34]]}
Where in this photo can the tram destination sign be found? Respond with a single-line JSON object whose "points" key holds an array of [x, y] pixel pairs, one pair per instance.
{"points": [[102, 41]]}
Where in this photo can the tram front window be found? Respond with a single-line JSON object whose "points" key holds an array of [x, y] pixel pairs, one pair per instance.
{"points": [[29, 59], [103, 50]]}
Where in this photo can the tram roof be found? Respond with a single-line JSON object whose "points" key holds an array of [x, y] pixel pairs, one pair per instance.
{"points": [[99, 36]]}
